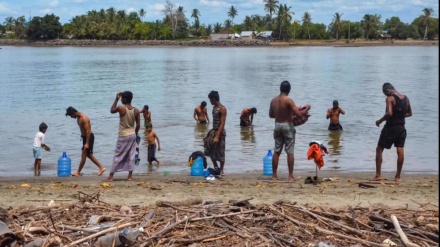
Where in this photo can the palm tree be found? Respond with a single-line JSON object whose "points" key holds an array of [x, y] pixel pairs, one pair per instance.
{"points": [[9, 23], [142, 13], [209, 29], [337, 23], [270, 6], [284, 17], [232, 13], [195, 14], [307, 19], [426, 19], [228, 24], [217, 27]]}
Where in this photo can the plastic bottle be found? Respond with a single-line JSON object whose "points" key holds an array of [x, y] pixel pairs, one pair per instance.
{"points": [[133, 233], [197, 167], [64, 166], [267, 164], [122, 237]]}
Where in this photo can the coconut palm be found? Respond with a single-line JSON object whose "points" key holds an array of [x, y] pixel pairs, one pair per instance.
{"points": [[270, 6], [284, 17], [9, 23], [142, 13], [195, 14], [307, 20], [426, 19], [232, 13], [337, 23], [228, 24], [217, 27]]}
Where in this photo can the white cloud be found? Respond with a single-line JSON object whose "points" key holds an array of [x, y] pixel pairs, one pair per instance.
{"points": [[131, 10], [46, 11], [158, 7], [213, 3], [54, 3]]}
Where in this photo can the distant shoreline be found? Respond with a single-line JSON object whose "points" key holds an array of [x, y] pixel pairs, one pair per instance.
{"points": [[216, 43]]}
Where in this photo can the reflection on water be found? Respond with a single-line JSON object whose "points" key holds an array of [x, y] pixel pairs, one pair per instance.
{"points": [[248, 140], [200, 131], [334, 142]]}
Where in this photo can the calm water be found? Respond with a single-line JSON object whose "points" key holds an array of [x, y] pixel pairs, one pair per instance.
{"points": [[38, 84]]}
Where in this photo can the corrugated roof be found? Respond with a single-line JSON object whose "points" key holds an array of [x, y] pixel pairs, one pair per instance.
{"points": [[246, 33]]}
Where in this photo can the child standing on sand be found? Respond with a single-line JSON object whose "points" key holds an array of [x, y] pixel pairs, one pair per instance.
{"points": [[152, 137], [39, 145]]}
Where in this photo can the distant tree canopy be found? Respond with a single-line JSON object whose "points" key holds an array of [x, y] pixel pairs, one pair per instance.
{"points": [[47, 27], [116, 24]]}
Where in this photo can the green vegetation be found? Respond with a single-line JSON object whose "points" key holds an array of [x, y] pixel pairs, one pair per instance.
{"points": [[113, 24]]}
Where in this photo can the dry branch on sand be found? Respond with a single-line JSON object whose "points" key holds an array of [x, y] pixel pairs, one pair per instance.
{"points": [[216, 223]]}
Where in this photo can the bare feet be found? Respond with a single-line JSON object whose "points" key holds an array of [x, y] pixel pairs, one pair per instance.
{"points": [[76, 174], [109, 179], [100, 172], [397, 180], [376, 178], [275, 178], [292, 179], [129, 179]]}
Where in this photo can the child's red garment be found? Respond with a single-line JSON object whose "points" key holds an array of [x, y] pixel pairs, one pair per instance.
{"points": [[316, 152], [297, 121]]}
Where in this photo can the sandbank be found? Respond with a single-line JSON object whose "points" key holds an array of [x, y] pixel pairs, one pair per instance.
{"points": [[344, 190]]}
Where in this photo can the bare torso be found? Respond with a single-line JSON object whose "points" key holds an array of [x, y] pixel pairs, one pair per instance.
{"points": [[147, 115], [282, 108], [200, 113], [333, 114], [83, 123], [245, 115], [151, 136]]}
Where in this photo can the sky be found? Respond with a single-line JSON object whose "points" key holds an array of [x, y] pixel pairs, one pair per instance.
{"points": [[213, 11]]}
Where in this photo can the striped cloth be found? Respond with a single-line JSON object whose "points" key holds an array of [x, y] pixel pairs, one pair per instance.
{"points": [[125, 152]]}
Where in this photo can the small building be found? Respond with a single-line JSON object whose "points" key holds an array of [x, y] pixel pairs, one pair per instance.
{"points": [[218, 36], [264, 35], [222, 36], [385, 36], [247, 34]]}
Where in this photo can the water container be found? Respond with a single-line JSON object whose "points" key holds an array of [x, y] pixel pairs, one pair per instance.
{"points": [[64, 166], [267, 164], [197, 167]]}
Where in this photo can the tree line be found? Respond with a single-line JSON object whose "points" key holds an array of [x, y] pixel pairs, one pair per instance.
{"points": [[113, 24]]}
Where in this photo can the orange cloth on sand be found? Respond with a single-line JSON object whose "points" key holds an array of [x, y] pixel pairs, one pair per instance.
{"points": [[316, 153]]}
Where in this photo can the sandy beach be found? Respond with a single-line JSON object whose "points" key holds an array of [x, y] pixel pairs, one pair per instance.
{"points": [[344, 190]]}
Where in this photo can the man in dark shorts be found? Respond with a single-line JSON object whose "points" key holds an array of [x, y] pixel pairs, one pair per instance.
{"points": [[398, 108], [88, 139], [333, 113], [201, 113], [247, 116], [283, 108]]}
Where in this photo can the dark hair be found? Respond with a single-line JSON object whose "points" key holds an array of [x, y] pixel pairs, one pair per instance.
{"points": [[70, 111], [214, 95], [203, 104], [146, 107], [387, 86], [254, 110], [285, 87], [149, 125], [127, 96], [42, 126]]}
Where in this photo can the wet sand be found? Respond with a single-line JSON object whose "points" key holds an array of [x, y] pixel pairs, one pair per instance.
{"points": [[413, 191]]}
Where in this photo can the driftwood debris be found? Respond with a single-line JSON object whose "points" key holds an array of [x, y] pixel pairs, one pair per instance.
{"points": [[233, 223]]}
